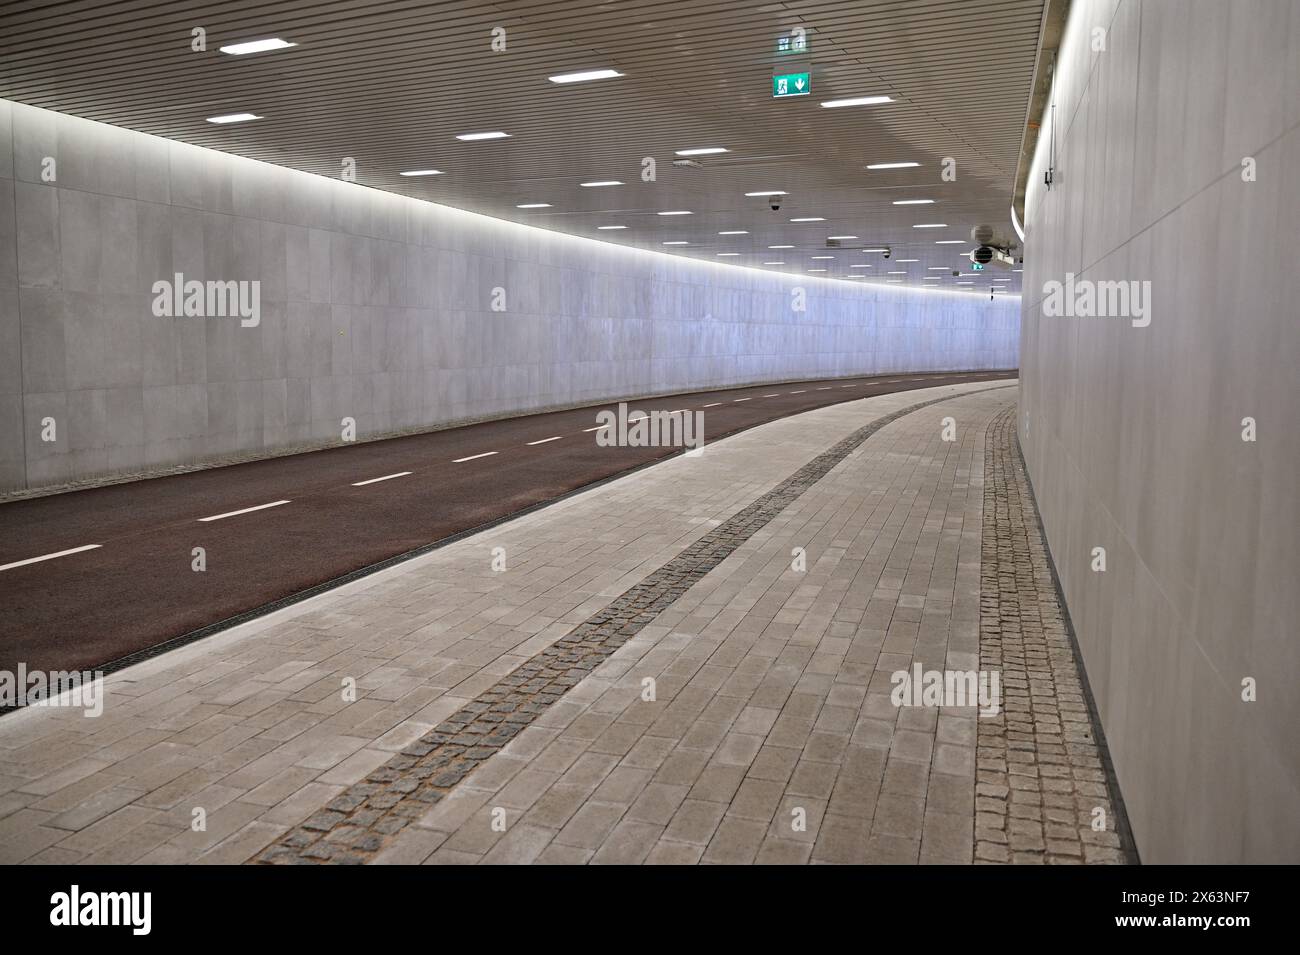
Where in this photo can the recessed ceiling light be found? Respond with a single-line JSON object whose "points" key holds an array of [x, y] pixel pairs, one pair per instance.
{"points": [[256, 46], [703, 151], [734, 232], [856, 101], [893, 165], [907, 260], [421, 172], [533, 205], [950, 242], [822, 256], [728, 253], [601, 182], [913, 202], [472, 137], [584, 76], [780, 247], [774, 263], [608, 227], [809, 219], [233, 118], [930, 225], [770, 192], [677, 242], [676, 212], [829, 237]]}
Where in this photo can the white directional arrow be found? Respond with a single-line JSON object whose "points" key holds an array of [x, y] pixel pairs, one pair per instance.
{"points": [[798, 84]]}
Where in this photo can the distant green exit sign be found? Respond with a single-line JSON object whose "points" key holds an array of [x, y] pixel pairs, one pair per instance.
{"points": [[791, 84]]}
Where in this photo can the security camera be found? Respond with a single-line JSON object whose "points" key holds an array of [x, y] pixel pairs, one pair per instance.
{"points": [[886, 253], [775, 203]]}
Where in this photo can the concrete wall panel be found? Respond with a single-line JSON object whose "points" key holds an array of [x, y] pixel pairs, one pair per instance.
{"points": [[1132, 435], [372, 306]]}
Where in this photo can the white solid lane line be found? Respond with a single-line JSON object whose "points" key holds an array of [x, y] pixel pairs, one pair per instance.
{"points": [[474, 457], [545, 440], [386, 477], [246, 510], [37, 560]]}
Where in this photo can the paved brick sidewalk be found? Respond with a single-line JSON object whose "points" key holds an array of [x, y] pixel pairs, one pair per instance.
{"points": [[250, 726], [1042, 794], [770, 734]]}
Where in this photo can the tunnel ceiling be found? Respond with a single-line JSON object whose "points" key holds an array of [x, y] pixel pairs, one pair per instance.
{"points": [[391, 85]]}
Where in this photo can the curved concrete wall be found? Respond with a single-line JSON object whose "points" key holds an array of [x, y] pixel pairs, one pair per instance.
{"points": [[1133, 433], [372, 306]]}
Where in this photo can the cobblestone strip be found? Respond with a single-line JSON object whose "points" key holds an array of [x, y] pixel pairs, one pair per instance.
{"points": [[1039, 774], [354, 826]]}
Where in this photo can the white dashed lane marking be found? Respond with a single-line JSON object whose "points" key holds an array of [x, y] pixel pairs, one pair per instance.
{"points": [[386, 477], [799, 392], [713, 405], [545, 440], [37, 560], [474, 457], [246, 510], [739, 399]]}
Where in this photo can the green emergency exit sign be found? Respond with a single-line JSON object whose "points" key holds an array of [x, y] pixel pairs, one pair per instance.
{"points": [[791, 84]]}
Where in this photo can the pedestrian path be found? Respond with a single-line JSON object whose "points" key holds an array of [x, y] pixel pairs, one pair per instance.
{"points": [[692, 663]]}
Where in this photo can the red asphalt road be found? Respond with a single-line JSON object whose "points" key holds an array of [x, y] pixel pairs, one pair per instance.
{"points": [[137, 589]]}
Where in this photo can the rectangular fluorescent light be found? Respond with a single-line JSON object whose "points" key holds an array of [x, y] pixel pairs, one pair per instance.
{"points": [[474, 137], [856, 101], [860, 265], [421, 172], [816, 270], [774, 263], [728, 253], [809, 219], [703, 151], [584, 76], [875, 250], [938, 268], [896, 273], [533, 205], [930, 225], [769, 192], [950, 242], [906, 260], [233, 118], [829, 237], [677, 242], [256, 46], [608, 227], [601, 182], [675, 212], [822, 256], [893, 165], [913, 202], [780, 247], [734, 232]]}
